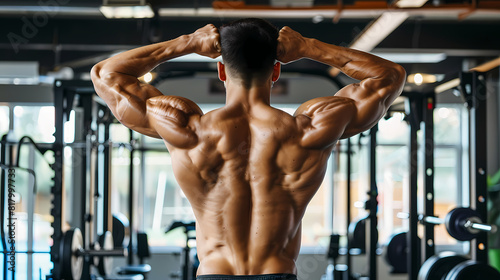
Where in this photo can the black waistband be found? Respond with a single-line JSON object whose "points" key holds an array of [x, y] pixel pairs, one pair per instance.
{"points": [[280, 276]]}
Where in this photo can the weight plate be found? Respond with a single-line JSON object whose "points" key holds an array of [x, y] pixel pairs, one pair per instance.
{"points": [[455, 223], [120, 230], [396, 253], [438, 266], [473, 270], [357, 234], [105, 266], [72, 265]]}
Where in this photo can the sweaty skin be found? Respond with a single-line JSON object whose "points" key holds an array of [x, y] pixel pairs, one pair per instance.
{"points": [[248, 169]]}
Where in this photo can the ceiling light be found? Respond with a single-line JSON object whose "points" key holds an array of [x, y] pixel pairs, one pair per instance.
{"points": [[420, 78], [410, 3], [379, 30], [147, 78], [126, 9]]}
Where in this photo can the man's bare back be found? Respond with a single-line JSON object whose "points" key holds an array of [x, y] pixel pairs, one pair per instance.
{"points": [[253, 182], [249, 170]]}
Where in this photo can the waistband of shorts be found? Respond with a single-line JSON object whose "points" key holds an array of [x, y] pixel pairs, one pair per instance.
{"points": [[276, 276]]}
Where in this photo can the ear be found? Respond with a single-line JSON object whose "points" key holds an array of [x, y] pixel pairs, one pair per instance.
{"points": [[222, 71], [276, 71]]}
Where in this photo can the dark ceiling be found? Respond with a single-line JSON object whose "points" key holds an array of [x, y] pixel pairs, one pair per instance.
{"points": [[73, 33]]}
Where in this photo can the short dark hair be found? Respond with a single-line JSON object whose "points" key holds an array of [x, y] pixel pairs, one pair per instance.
{"points": [[248, 47]]}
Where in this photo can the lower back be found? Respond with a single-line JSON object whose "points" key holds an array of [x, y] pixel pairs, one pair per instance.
{"points": [[244, 231]]}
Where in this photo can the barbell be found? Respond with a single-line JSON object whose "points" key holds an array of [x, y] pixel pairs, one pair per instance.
{"points": [[72, 254], [462, 223]]}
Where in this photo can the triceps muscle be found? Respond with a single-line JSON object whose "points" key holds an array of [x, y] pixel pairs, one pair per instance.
{"points": [[171, 116]]}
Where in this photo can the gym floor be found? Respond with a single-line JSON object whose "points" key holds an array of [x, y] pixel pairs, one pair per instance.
{"points": [[44, 42]]}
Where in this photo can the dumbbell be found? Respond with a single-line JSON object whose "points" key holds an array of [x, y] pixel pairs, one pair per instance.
{"points": [[73, 253], [461, 223]]}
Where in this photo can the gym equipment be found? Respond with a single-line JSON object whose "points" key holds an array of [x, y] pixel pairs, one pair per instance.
{"points": [[450, 266], [334, 271], [372, 206], [188, 271], [142, 253], [73, 254], [464, 224], [396, 252], [105, 264], [357, 234], [333, 248], [438, 266], [473, 270], [461, 223], [120, 230]]}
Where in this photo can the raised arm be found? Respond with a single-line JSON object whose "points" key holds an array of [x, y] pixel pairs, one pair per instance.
{"points": [[142, 107], [354, 108]]}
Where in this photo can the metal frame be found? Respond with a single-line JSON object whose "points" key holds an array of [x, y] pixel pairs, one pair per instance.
{"points": [[130, 257], [372, 205], [64, 96], [420, 109], [3, 151], [473, 88], [420, 113], [428, 244], [348, 206]]}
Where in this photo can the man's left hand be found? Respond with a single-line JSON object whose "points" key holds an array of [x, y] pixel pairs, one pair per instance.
{"points": [[206, 41]]}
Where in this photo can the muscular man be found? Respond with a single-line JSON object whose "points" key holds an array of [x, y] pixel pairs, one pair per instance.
{"points": [[249, 170]]}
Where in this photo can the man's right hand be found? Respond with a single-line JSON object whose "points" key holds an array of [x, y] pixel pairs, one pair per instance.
{"points": [[291, 45]]}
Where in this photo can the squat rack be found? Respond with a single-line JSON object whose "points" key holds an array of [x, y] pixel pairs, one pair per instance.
{"points": [[68, 94], [420, 110]]}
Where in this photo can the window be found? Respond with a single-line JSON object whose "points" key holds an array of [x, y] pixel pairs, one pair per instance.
{"points": [[34, 121], [33, 196], [4, 120], [164, 201]]}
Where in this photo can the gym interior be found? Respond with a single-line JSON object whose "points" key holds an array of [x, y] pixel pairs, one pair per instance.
{"points": [[415, 197]]}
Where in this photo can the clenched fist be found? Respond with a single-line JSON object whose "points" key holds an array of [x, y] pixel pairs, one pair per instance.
{"points": [[291, 45], [206, 41]]}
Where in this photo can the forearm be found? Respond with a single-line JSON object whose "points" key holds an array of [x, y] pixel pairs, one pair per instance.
{"points": [[356, 64], [139, 61]]}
